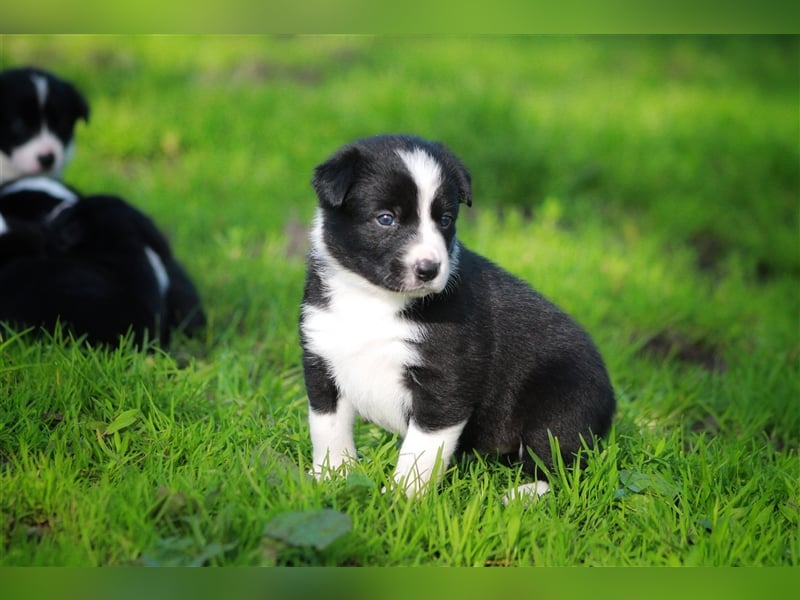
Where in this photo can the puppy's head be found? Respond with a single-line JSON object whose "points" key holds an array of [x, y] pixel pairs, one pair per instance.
{"points": [[38, 113], [387, 211]]}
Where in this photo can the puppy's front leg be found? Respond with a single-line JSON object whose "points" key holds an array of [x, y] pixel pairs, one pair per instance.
{"points": [[330, 419], [424, 455], [332, 438]]}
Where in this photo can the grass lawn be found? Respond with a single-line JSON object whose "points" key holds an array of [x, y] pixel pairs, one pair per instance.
{"points": [[647, 185]]}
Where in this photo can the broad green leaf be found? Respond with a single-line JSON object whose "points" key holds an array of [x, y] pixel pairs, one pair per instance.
{"points": [[638, 482], [317, 528]]}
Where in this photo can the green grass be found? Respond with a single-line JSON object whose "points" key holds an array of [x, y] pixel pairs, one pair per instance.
{"points": [[647, 185]]}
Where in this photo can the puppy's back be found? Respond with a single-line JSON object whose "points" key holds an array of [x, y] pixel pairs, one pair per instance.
{"points": [[526, 366]]}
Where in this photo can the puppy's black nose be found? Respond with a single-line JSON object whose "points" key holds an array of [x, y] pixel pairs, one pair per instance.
{"points": [[426, 269], [47, 160]]}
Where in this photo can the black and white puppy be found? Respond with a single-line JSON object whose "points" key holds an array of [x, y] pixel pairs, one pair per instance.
{"points": [[38, 113], [95, 264], [405, 327]]}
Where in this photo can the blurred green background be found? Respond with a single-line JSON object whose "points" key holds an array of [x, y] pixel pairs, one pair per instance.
{"points": [[692, 138]]}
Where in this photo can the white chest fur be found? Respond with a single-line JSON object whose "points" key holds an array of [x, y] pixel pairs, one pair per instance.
{"points": [[367, 346]]}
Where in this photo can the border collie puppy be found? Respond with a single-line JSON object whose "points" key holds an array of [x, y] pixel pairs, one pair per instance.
{"points": [[405, 327], [38, 113], [93, 263]]}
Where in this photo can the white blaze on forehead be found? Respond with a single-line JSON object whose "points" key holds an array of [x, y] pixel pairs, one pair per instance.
{"points": [[40, 83], [426, 173], [3, 226], [429, 244]]}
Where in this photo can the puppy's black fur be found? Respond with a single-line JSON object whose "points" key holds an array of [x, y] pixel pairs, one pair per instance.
{"points": [[493, 355], [38, 113], [97, 265], [24, 208]]}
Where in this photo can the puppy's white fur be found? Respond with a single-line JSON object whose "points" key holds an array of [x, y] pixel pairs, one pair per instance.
{"points": [[41, 85], [24, 159], [159, 270], [332, 438]]}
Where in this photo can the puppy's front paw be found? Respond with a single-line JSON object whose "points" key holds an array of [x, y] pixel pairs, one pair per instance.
{"points": [[319, 474], [325, 467], [413, 483]]}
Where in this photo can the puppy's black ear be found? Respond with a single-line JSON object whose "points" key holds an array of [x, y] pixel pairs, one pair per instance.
{"points": [[81, 105], [78, 105], [464, 183], [460, 174], [333, 178]]}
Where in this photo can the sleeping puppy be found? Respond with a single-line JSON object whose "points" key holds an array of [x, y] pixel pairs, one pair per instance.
{"points": [[405, 327], [95, 264], [38, 113]]}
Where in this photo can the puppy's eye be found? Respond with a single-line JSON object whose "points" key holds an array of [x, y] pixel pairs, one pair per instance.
{"points": [[445, 221], [385, 219]]}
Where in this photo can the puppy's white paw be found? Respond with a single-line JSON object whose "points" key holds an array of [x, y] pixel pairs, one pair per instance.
{"points": [[413, 484], [526, 492]]}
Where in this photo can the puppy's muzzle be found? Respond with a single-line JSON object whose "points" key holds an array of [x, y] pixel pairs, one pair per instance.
{"points": [[426, 270], [46, 160]]}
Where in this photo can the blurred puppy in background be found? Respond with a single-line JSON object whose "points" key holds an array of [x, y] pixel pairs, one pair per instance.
{"points": [[38, 113]]}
